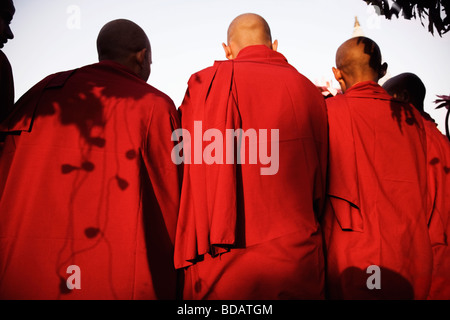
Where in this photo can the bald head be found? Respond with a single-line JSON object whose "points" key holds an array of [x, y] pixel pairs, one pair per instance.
{"points": [[407, 87], [358, 59], [125, 42], [248, 29]]}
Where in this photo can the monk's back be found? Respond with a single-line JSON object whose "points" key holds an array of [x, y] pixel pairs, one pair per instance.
{"points": [[271, 94], [77, 184], [377, 183], [261, 213]]}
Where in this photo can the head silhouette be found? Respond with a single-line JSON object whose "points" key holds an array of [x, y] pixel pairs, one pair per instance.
{"points": [[248, 29], [7, 11], [407, 87], [358, 59], [123, 41]]}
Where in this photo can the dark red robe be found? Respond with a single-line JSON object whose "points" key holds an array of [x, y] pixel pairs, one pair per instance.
{"points": [[377, 210], [87, 180], [243, 234], [438, 160]]}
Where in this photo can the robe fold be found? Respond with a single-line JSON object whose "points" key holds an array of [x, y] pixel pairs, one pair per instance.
{"points": [[376, 213], [89, 195], [243, 232], [438, 161]]}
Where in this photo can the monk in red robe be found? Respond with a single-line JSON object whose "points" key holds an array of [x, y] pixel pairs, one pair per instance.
{"points": [[7, 11], [254, 151], [89, 195], [376, 221], [438, 214], [408, 88]]}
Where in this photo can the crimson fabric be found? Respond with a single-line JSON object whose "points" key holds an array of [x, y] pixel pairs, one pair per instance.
{"points": [[86, 179], [376, 212], [241, 234], [438, 159]]}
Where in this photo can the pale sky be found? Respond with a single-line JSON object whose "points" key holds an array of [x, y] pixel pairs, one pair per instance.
{"points": [[186, 36]]}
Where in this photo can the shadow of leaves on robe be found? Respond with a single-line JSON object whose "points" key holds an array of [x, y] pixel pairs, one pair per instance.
{"points": [[90, 107], [403, 115]]}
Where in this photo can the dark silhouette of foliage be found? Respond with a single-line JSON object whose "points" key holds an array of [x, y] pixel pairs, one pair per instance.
{"points": [[444, 101], [435, 11]]}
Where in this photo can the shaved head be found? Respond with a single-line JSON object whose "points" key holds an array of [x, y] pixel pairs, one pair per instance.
{"points": [[358, 55], [121, 40], [248, 29], [407, 87], [359, 59]]}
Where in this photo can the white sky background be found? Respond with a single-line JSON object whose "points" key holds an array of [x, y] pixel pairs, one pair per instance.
{"points": [[186, 36]]}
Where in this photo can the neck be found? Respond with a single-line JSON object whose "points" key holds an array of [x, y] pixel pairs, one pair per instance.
{"points": [[350, 81]]}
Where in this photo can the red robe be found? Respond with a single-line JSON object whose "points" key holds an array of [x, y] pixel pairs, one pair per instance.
{"points": [[376, 211], [87, 180], [242, 234], [438, 160]]}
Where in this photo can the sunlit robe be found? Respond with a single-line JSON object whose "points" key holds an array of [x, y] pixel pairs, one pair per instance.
{"points": [[249, 229], [376, 221], [87, 180]]}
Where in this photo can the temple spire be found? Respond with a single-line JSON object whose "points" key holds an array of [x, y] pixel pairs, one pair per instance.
{"points": [[357, 30]]}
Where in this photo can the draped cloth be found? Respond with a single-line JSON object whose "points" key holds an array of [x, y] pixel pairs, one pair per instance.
{"points": [[245, 232], [438, 161], [86, 180], [376, 213]]}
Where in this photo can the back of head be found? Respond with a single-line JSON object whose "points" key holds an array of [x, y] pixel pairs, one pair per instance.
{"points": [[407, 87], [247, 30], [120, 41], [7, 11], [358, 59]]}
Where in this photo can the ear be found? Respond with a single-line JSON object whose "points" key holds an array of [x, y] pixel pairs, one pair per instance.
{"points": [[228, 52], [141, 56], [383, 70], [275, 45], [338, 76]]}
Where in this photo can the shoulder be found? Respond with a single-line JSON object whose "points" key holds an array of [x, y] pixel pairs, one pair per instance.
{"points": [[336, 101], [435, 135], [203, 76], [157, 98], [23, 112], [157, 94], [40, 86], [160, 107], [295, 81], [200, 82]]}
